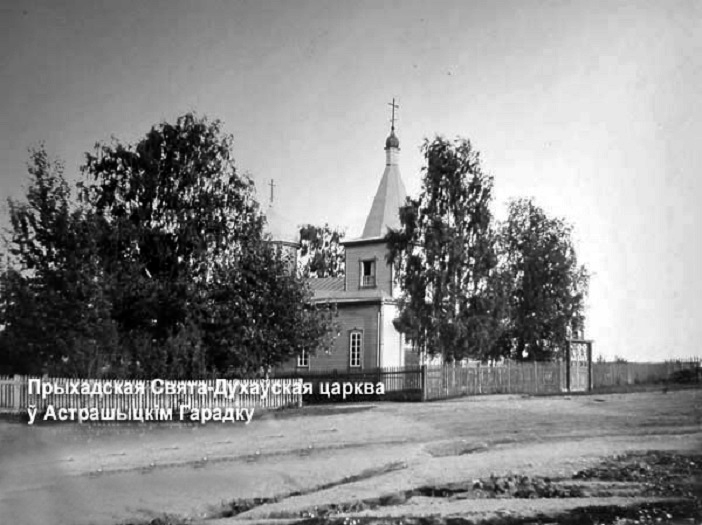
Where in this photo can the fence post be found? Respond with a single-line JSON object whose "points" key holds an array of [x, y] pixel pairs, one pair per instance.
{"points": [[561, 376], [444, 379], [423, 379], [17, 387]]}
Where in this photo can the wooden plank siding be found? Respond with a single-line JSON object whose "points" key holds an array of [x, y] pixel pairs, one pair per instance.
{"points": [[375, 251], [362, 317]]}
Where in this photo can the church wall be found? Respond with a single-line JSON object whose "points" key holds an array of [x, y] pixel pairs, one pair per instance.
{"points": [[362, 317], [375, 251], [392, 354]]}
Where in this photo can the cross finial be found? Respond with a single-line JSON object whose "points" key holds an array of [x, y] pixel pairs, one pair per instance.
{"points": [[394, 107], [272, 185]]}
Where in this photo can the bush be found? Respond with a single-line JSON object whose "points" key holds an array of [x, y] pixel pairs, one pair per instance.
{"points": [[689, 375]]}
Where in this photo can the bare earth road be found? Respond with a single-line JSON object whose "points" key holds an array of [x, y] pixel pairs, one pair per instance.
{"points": [[82, 474]]}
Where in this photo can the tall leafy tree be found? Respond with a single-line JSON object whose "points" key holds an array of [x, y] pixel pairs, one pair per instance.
{"points": [[160, 269], [545, 287], [184, 238], [321, 252], [444, 254], [261, 314], [55, 314], [174, 210]]}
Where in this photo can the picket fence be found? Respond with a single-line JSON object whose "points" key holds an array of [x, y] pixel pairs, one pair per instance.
{"points": [[536, 378], [425, 383], [609, 375], [15, 397], [515, 378]]}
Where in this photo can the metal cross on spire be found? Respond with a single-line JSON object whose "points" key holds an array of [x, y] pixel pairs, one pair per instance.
{"points": [[272, 185], [394, 107]]}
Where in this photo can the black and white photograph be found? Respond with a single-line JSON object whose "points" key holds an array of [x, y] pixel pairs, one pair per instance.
{"points": [[325, 262]]}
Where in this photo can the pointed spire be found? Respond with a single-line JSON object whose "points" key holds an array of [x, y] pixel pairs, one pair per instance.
{"points": [[385, 211], [391, 194]]}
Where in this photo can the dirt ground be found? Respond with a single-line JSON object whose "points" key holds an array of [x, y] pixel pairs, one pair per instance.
{"points": [[321, 461]]}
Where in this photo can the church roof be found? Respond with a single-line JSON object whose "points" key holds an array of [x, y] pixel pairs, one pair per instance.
{"points": [[374, 295], [331, 289], [326, 284], [388, 199]]}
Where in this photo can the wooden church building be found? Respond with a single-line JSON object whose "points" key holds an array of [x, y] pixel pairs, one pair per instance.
{"points": [[366, 297]]}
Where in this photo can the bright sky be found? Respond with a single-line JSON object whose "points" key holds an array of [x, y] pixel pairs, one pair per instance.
{"points": [[592, 108]]}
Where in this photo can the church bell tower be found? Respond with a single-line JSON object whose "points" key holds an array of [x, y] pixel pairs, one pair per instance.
{"points": [[366, 266]]}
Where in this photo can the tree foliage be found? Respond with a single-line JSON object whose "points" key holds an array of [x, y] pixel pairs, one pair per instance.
{"points": [[321, 252], [545, 285], [444, 254], [476, 289], [160, 268], [263, 312], [53, 301], [174, 212]]}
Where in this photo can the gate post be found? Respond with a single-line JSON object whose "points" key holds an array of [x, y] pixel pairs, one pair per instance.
{"points": [[568, 367], [589, 367], [17, 394]]}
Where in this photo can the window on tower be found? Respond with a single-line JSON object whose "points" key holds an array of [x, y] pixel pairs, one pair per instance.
{"points": [[368, 274]]}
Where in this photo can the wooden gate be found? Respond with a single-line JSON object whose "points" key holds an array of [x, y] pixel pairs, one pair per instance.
{"points": [[579, 365]]}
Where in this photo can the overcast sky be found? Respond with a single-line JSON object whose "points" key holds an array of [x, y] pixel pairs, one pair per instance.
{"points": [[592, 108]]}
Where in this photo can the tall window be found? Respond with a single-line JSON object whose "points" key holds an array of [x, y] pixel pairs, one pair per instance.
{"points": [[355, 348], [303, 360], [367, 274]]}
